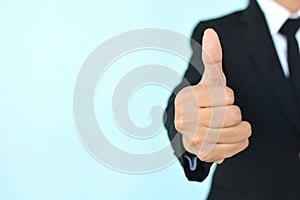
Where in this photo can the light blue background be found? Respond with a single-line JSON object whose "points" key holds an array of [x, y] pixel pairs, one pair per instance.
{"points": [[42, 47]]}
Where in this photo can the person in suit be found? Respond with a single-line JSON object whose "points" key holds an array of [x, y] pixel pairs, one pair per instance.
{"points": [[238, 104]]}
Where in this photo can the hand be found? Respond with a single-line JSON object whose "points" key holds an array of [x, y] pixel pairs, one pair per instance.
{"points": [[211, 125]]}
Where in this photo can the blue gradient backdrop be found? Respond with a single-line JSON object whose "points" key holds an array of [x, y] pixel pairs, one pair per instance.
{"points": [[42, 47]]}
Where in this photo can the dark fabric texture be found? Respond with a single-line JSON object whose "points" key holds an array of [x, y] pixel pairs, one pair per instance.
{"points": [[270, 167]]}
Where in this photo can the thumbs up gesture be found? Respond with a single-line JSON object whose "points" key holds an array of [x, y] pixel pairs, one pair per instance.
{"points": [[205, 114]]}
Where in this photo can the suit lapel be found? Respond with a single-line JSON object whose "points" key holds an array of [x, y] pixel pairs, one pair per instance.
{"points": [[260, 45]]}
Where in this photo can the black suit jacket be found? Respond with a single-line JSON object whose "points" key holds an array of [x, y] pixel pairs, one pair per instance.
{"points": [[270, 167]]}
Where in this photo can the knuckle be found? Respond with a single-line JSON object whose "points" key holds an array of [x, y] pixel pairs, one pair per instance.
{"points": [[239, 147], [229, 95], [196, 141], [188, 96], [247, 130], [245, 144], [184, 94], [183, 91], [227, 153], [235, 113], [233, 151], [198, 138]]}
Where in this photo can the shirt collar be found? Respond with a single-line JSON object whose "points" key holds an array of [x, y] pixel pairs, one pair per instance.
{"points": [[275, 14]]}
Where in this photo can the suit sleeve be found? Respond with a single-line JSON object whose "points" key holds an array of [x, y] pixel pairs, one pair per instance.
{"points": [[194, 168]]}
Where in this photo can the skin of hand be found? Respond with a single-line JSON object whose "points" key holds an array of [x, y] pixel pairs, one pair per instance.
{"points": [[205, 114]]}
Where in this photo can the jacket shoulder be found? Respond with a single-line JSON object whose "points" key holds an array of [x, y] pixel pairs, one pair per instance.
{"points": [[221, 25]]}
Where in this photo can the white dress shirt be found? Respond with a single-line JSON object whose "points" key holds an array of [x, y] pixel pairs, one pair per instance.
{"points": [[276, 15]]}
